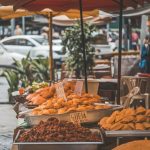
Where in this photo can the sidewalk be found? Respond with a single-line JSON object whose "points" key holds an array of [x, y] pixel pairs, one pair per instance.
{"points": [[8, 123], [8, 119], [3, 90]]}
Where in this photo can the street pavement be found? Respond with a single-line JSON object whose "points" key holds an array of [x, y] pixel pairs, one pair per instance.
{"points": [[3, 90], [8, 119]]}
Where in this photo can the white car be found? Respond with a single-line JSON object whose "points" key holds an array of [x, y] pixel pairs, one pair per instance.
{"points": [[7, 59], [35, 44]]}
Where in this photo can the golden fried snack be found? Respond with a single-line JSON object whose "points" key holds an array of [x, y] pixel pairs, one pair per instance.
{"points": [[30, 96], [119, 117], [111, 120], [81, 108], [125, 127], [115, 113], [130, 112], [62, 110], [38, 100], [52, 111], [140, 111], [103, 121], [98, 107], [135, 145], [128, 119], [139, 126], [146, 125], [35, 112], [131, 126], [117, 126], [147, 113], [57, 106], [97, 97], [106, 126], [140, 118], [123, 112], [89, 107], [71, 109], [45, 112]]}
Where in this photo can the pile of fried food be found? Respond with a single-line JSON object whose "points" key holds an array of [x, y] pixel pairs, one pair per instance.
{"points": [[74, 103], [135, 145], [54, 130], [127, 119], [43, 94]]}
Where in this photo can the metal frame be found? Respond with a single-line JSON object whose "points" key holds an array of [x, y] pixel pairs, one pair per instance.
{"points": [[83, 45]]}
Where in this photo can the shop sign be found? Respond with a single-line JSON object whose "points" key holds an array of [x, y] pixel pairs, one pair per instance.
{"points": [[78, 117]]}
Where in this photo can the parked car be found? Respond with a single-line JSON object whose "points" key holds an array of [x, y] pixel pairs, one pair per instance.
{"points": [[35, 44], [7, 59]]}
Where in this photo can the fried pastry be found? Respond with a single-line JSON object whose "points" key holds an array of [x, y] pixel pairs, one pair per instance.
{"points": [[107, 126], [125, 127], [140, 118], [146, 125], [52, 111], [131, 126], [111, 120], [119, 118], [117, 126], [135, 145], [130, 112], [139, 126], [103, 121], [140, 111], [45, 112], [128, 119], [61, 110], [147, 113], [71, 109]]}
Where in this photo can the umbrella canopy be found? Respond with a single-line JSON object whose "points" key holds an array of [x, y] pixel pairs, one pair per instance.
{"points": [[7, 12], [61, 5]]}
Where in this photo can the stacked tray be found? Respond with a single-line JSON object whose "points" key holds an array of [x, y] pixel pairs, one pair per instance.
{"points": [[59, 145], [128, 133], [91, 116]]}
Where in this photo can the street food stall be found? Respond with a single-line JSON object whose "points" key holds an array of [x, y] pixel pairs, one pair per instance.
{"points": [[63, 116]]}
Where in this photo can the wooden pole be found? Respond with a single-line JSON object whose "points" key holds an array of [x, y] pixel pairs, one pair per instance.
{"points": [[50, 39]]}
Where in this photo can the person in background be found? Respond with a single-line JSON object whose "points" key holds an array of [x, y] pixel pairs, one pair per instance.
{"points": [[44, 34], [145, 56], [18, 30], [135, 38]]}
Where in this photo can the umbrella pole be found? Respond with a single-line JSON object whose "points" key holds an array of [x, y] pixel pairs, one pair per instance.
{"points": [[120, 51], [83, 45], [50, 36]]}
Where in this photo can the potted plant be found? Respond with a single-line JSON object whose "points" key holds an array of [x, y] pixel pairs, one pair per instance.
{"points": [[73, 47]]}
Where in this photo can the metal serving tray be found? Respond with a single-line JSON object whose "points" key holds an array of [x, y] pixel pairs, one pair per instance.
{"points": [[128, 133], [92, 116], [59, 145]]}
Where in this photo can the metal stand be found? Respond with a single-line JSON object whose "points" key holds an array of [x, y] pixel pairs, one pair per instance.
{"points": [[120, 51], [83, 45]]}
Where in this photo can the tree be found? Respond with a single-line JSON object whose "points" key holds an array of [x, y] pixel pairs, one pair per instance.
{"points": [[73, 47]]}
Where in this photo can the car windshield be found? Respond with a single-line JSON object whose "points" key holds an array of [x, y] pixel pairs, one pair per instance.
{"points": [[41, 41]]}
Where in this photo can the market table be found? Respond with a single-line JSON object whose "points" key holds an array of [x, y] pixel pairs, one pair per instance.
{"points": [[122, 134]]}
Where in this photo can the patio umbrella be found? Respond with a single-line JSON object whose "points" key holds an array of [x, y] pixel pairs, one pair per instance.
{"points": [[62, 5]]}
